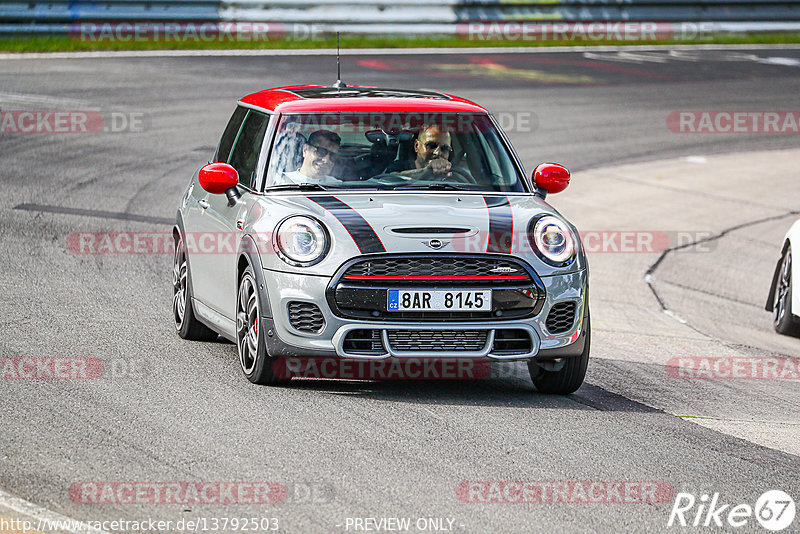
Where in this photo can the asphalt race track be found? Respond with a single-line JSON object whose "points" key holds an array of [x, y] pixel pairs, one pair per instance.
{"points": [[350, 452]]}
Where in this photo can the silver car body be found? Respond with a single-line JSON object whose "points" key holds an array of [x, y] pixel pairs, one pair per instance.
{"points": [[214, 275], [250, 222]]}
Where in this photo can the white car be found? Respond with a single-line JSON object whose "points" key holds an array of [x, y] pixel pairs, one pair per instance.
{"points": [[783, 302]]}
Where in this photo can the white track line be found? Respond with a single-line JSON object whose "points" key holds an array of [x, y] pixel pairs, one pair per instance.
{"points": [[377, 51], [45, 516]]}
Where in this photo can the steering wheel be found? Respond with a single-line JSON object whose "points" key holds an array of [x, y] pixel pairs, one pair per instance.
{"points": [[460, 175]]}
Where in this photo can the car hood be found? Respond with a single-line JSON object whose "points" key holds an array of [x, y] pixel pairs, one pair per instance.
{"points": [[405, 222]]}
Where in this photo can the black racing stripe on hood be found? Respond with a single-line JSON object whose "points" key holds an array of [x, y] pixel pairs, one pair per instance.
{"points": [[359, 229], [501, 224]]}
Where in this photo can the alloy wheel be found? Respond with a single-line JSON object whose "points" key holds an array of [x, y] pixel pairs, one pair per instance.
{"points": [[247, 314], [179, 286]]}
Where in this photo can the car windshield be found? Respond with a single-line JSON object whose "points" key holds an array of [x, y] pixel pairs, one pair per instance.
{"points": [[391, 151]]}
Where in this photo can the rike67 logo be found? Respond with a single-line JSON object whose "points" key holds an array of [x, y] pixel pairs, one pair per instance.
{"points": [[774, 510]]}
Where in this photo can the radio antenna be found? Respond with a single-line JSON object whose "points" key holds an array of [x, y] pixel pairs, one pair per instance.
{"points": [[338, 84]]}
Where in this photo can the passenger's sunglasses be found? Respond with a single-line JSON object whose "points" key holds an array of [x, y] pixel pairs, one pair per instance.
{"points": [[433, 145], [322, 152]]}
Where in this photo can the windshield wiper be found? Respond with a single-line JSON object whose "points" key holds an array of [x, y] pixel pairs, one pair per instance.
{"points": [[438, 185], [306, 186]]}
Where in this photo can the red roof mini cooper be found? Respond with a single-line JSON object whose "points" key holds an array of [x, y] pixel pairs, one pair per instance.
{"points": [[360, 223]]}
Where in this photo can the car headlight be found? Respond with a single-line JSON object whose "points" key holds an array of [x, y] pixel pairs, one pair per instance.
{"points": [[301, 241], [552, 240]]}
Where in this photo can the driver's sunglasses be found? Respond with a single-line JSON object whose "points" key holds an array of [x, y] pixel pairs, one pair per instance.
{"points": [[322, 152], [433, 145]]}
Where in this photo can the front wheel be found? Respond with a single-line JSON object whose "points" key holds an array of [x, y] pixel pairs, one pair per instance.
{"points": [[256, 364], [783, 318], [567, 379]]}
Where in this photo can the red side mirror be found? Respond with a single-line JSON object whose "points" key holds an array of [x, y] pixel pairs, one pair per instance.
{"points": [[216, 178], [551, 177]]}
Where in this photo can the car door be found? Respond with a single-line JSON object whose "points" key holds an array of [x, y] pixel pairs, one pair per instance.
{"points": [[196, 204], [219, 228]]}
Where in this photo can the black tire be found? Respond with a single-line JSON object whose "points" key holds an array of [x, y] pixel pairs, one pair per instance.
{"points": [[186, 323], [570, 377], [782, 317], [256, 363]]}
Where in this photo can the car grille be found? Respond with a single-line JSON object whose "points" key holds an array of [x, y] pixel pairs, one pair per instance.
{"points": [[306, 317], [368, 341], [359, 289], [435, 267], [561, 317], [437, 340]]}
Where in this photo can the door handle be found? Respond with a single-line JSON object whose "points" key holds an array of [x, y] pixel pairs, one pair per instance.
{"points": [[203, 203]]}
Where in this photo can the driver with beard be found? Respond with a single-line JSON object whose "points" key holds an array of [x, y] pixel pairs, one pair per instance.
{"points": [[319, 157], [433, 150]]}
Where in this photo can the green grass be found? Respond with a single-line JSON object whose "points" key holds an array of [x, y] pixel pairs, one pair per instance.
{"points": [[70, 44]]}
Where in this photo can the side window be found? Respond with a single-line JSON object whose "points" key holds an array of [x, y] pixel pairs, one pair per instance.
{"points": [[244, 155], [229, 136]]}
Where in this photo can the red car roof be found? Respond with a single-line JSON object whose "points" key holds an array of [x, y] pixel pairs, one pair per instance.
{"points": [[306, 98]]}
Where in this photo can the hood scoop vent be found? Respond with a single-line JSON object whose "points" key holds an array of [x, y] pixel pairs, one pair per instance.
{"points": [[428, 230]]}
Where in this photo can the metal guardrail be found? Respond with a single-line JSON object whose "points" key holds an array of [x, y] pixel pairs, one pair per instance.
{"points": [[633, 10], [453, 11], [391, 16], [128, 10]]}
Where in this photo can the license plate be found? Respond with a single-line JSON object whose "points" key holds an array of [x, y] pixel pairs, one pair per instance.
{"points": [[439, 300]]}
